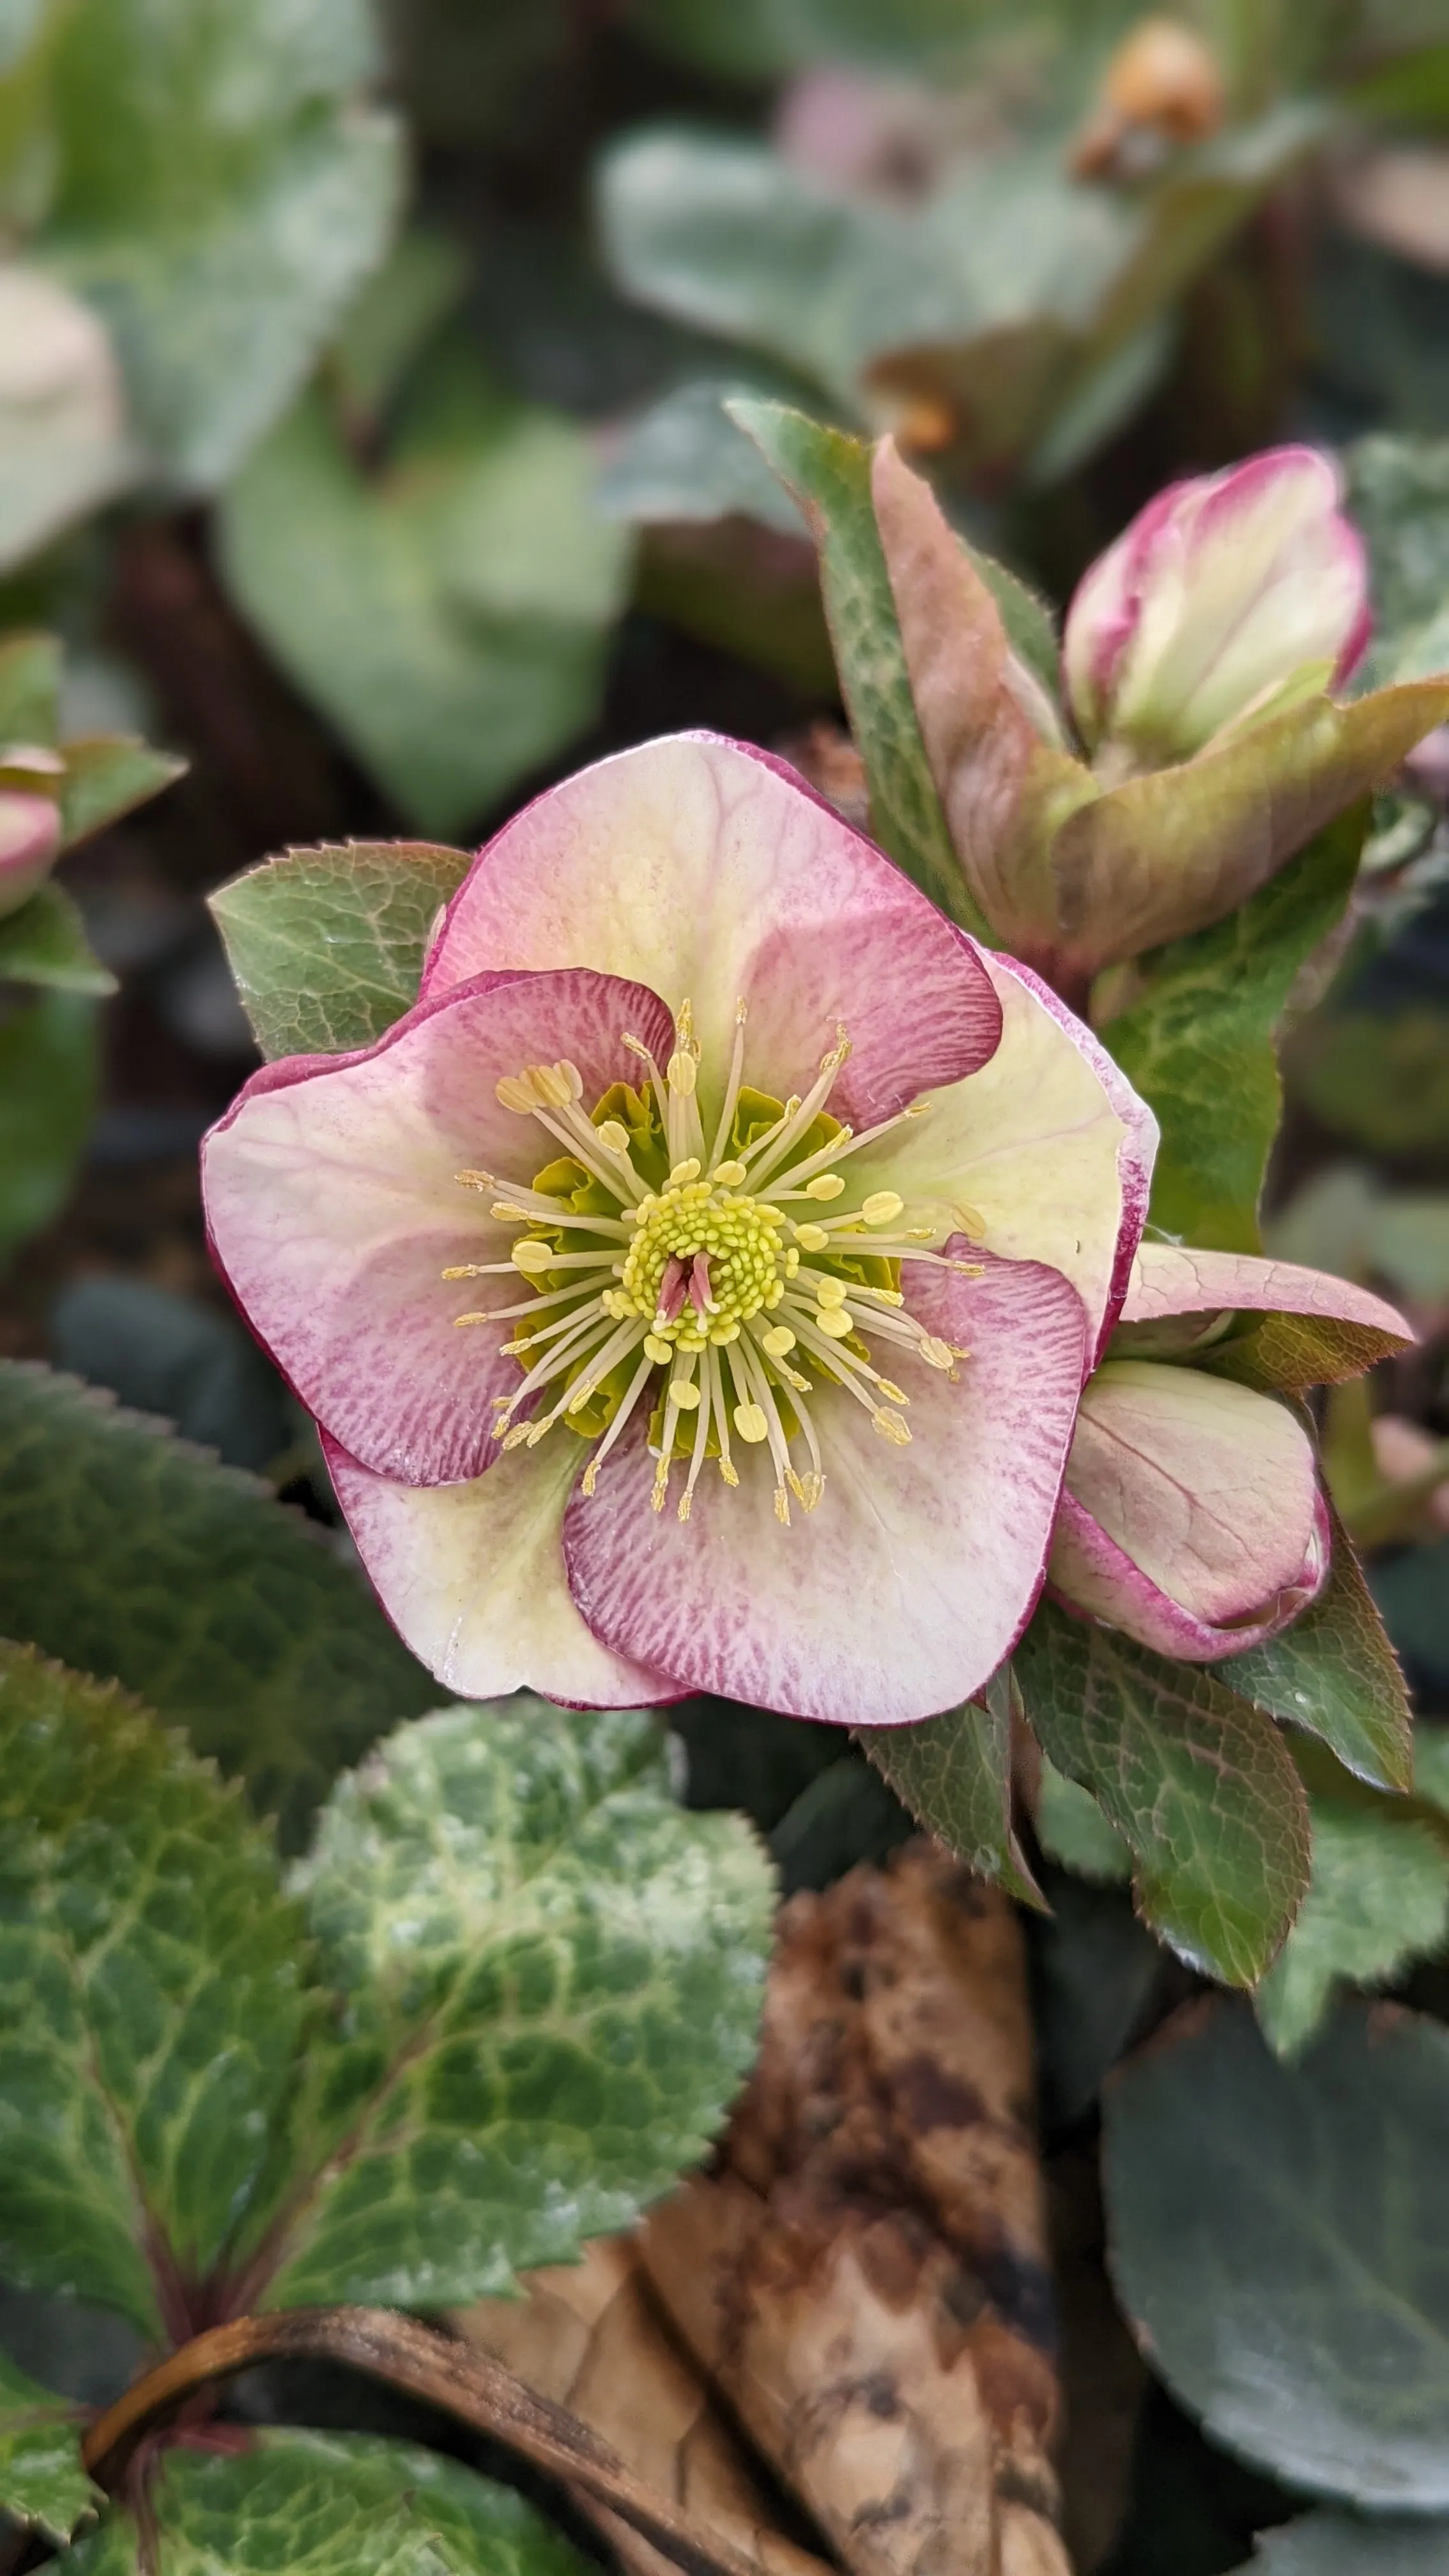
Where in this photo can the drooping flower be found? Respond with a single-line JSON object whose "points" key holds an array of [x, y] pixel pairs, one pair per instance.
{"points": [[791, 1222], [1229, 596], [1191, 1515]]}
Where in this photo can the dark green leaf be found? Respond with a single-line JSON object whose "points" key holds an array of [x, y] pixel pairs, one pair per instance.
{"points": [[1197, 1782], [552, 1979], [847, 1814], [151, 1997], [954, 1774], [1199, 1043], [1335, 1673], [139, 1557], [1399, 494], [1278, 2240], [829, 474], [41, 2478], [327, 945], [47, 1099], [1411, 1587], [1378, 1897], [1346, 2544], [106, 775], [45, 943], [329, 2504]]}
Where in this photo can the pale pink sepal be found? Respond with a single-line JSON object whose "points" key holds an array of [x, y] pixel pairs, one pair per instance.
{"points": [[1174, 1279], [333, 1208], [904, 1590]]}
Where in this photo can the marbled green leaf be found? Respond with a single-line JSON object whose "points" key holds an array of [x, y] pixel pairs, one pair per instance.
{"points": [[41, 2477], [329, 2504], [45, 943], [1199, 1042], [552, 1981], [1335, 1673], [1350, 2544], [1279, 2241], [954, 1774], [1197, 1781], [1378, 1897], [327, 945], [829, 474], [150, 1995], [142, 1559]]}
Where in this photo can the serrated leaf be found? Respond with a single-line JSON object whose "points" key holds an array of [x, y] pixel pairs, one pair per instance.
{"points": [[1199, 1043], [30, 668], [449, 615], [1378, 1897], [45, 943], [1335, 1673], [232, 1617], [42, 2481], [552, 1981], [221, 194], [329, 2504], [829, 474], [1343, 2544], [47, 1100], [954, 1774], [1198, 1783], [1277, 2240], [1073, 1831], [107, 775], [152, 2003], [327, 945]]}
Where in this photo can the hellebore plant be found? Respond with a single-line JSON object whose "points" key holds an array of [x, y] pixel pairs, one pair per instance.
{"points": [[792, 1223], [1199, 658]]}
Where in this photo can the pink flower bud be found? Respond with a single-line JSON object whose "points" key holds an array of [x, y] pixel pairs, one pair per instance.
{"points": [[1228, 596], [29, 843]]}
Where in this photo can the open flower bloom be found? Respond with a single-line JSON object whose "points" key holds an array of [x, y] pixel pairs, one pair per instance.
{"points": [[1191, 1515], [791, 1224], [29, 843], [1226, 598]]}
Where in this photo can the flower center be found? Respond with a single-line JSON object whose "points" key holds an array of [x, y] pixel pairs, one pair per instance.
{"points": [[703, 1277]]}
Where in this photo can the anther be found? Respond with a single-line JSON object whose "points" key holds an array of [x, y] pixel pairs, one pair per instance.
{"points": [[812, 1238], [891, 1427], [826, 1185], [777, 1341], [882, 1207], [514, 1092], [836, 1322], [681, 1072], [750, 1423], [532, 1257], [615, 1136], [658, 1350], [685, 1395], [728, 1175], [507, 1214], [830, 1292]]}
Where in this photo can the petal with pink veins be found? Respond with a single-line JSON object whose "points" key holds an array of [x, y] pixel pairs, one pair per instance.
{"points": [[710, 871], [1045, 1154], [1192, 1517], [1174, 1279], [472, 1578], [903, 1591], [333, 1208]]}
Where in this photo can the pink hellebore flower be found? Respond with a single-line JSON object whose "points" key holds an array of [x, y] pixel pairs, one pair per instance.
{"points": [[1228, 597], [1191, 1515], [796, 1222], [29, 845]]}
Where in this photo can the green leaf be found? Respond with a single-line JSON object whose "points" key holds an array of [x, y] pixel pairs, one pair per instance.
{"points": [[30, 667], [151, 1999], [1335, 1673], [64, 448], [1199, 1043], [424, 276], [1398, 492], [552, 1981], [221, 194], [685, 458], [1343, 2544], [1072, 1830], [232, 1616], [47, 1100], [1277, 2240], [327, 945], [107, 775], [449, 616], [1378, 1897], [829, 474], [954, 1774], [1197, 1782], [329, 2504], [45, 943], [41, 2478]]}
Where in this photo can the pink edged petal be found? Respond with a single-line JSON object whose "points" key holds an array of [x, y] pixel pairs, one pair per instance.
{"points": [[1206, 1491], [1174, 1279], [905, 1589], [1047, 1152], [333, 1208], [472, 1578], [711, 872], [1090, 1574]]}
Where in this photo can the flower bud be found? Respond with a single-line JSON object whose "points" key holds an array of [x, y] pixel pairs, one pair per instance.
{"points": [[1228, 597], [29, 845], [1191, 1516]]}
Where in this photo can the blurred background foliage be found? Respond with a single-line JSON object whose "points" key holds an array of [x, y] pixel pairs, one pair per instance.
{"points": [[361, 442]]}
